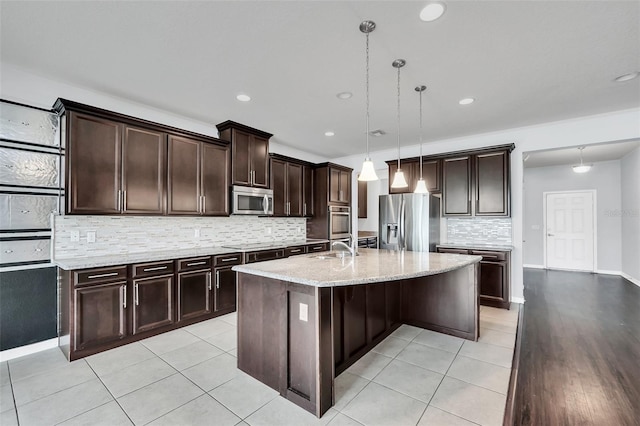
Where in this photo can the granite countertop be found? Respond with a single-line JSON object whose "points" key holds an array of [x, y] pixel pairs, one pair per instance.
{"points": [[153, 256], [370, 266], [479, 246]]}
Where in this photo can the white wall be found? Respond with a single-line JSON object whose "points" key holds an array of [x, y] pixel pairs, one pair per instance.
{"points": [[604, 177], [374, 190], [610, 127], [630, 215]]}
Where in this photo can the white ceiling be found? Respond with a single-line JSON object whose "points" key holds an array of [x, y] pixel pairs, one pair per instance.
{"points": [[525, 62], [571, 156]]}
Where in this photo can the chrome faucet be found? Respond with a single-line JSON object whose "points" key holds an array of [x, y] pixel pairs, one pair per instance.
{"points": [[352, 250]]}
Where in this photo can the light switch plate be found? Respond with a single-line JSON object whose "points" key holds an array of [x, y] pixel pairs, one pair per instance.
{"points": [[75, 236], [196, 233], [304, 312], [91, 236]]}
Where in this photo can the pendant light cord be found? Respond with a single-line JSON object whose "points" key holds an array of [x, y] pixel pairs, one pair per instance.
{"points": [[367, 91], [398, 116], [420, 134]]}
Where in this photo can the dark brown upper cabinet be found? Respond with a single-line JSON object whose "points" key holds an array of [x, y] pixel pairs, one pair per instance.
{"points": [[118, 164], [362, 199], [307, 191], [492, 184], [249, 154], [287, 182], [198, 178], [457, 191], [339, 185], [431, 174]]}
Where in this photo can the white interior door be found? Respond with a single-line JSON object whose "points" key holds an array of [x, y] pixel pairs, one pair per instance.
{"points": [[570, 231]]}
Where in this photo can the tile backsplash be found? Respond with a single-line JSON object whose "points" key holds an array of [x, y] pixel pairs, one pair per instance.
{"points": [[137, 234], [479, 230]]}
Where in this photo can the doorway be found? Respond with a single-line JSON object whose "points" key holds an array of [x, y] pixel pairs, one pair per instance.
{"points": [[570, 230]]}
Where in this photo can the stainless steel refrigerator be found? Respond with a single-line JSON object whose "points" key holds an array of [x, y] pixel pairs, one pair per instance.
{"points": [[409, 222]]}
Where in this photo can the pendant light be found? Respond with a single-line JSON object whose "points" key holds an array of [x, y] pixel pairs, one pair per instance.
{"points": [[399, 180], [421, 186], [582, 168], [368, 173]]}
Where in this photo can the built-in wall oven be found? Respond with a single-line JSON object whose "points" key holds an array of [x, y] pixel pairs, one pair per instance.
{"points": [[339, 222], [247, 200]]}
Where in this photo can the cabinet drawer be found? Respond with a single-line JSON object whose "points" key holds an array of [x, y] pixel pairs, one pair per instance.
{"points": [[194, 263], [317, 247], [97, 275], [261, 256], [452, 250], [294, 251], [496, 256], [227, 259], [153, 268]]}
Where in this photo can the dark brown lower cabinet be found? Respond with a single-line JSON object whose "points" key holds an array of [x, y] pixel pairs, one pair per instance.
{"points": [[225, 289], [100, 313], [153, 303], [194, 294]]}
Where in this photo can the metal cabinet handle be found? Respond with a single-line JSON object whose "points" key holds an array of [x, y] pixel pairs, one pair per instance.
{"points": [[119, 200], [197, 263], [25, 211], [110, 274], [157, 268], [124, 201], [230, 259], [8, 251], [317, 248], [135, 288], [124, 296], [304, 209], [551, 235], [204, 204], [217, 280], [209, 280], [295, 251]]}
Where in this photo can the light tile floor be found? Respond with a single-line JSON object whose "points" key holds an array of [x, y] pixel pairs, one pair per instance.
{"points": [[189, 377]]}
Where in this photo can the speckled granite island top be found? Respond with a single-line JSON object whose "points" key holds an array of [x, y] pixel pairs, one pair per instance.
{"points": [[370, 266]]}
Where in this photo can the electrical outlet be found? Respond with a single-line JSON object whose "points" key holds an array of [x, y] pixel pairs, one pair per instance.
{"points": [[268, 230], [75, 236], [196, 233], [299, 230], [304, 312], [91, 236]]}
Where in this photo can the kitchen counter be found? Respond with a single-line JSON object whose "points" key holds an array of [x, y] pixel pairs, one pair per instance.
{"points": [[371, 266], [478, 246], [152, 256]]}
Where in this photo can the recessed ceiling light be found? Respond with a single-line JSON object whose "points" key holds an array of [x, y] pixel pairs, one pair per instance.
{"points": [[626, 77], [329, 133], [431, 12], [344, 95], [466, 101], [243, 98]]}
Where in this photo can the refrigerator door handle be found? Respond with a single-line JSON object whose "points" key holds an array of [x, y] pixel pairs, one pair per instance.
{"points": [[402, 226]]}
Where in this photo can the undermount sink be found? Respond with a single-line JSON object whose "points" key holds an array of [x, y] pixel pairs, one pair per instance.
{"points": [[333, 255]]}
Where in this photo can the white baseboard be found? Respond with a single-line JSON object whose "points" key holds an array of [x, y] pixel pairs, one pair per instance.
{"points": [[28, 349], [630, 278], [606, 272], [519, 300], [533, 266]]}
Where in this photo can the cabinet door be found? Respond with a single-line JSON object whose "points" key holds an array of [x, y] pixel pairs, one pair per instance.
{"points": [[457, 186], [307, 191], [241, 161], [279, 186], [294, 189], [153, 303], [225, 289], [194, 294], [184, 176], [94, 160], [345, 186], [492, 190], [376, 311], [362, 199], [392, 290], [215, 180], [143, 171], [355, 320], [334, 186], [431, 175], [493, 280], [260, 161], [99, 314]]}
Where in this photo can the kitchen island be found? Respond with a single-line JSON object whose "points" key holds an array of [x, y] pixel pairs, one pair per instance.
{"points": [[304, 320]]}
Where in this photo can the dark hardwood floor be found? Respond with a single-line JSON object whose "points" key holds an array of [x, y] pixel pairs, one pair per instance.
{"points": [[580, 350]]}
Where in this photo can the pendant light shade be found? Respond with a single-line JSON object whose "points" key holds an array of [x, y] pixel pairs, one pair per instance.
{"points": [[581, 168], [399, 180], [421, 186], [368, 172]]}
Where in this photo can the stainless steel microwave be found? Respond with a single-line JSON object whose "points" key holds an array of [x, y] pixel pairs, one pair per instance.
{"points": [[247, 200], [339, 222]]}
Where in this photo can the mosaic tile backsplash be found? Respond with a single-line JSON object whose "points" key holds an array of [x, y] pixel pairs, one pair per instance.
{"points": [[479, 230], [133, 234]]}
